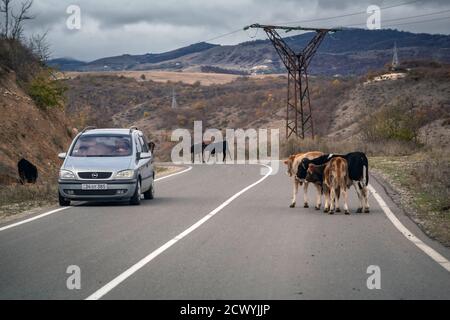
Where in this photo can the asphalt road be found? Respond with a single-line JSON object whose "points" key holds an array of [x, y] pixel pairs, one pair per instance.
{"points": [[255, 247]]}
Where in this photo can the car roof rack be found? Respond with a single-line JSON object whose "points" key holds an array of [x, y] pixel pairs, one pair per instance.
{"points": [[133, 128], [88, 128]]}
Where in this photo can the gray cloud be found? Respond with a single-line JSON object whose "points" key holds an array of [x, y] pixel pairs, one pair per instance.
{"points": [[140, 26]]}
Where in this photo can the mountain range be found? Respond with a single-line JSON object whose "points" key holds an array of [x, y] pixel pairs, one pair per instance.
{"points": [[347, 52]]}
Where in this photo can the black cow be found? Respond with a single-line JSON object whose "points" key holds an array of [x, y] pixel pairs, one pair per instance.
{"points": [[214, 147], [27, 171], [219, 147], [356, 163], [198, 149]]}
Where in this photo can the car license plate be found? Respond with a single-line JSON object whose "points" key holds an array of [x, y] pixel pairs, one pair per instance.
{"points": [[95, 186]]}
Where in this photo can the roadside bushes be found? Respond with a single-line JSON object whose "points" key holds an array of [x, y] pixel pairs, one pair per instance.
{"points": [[46, 92], [400, 121]]}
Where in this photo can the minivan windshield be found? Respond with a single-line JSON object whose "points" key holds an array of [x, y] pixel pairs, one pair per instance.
{"points": [[102, 146]]}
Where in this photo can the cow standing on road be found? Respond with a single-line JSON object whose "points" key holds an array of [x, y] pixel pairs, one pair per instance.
{"points": [[213, 147], [356, 162], [292, 164], [335, 180]]}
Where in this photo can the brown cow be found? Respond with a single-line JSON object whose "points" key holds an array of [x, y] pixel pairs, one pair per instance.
{"points": [[292, 165], [336, 181]]}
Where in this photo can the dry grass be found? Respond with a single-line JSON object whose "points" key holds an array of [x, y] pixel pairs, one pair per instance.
{"points": [[205, 79], [422, 181], [18, 198]]}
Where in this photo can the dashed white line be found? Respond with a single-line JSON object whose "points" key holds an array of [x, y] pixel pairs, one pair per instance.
{"points": [[433, 254], [130, 271], [65, 208]]}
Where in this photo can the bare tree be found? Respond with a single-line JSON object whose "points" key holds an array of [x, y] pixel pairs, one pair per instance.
{"points": [[4, 7], [19, 19], [12, 27], [39, 46]]}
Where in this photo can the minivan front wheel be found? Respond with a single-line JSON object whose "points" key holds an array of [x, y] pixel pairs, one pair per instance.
{"points": [[63, 202], [136, 199], [150, 193]]}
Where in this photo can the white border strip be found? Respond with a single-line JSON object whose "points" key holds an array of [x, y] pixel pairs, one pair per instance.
{"points": [[174, 174], [130, 271], [33, 218], [65, 208], [433, 254]]}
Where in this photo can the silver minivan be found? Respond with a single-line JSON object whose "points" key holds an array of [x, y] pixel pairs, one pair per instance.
{"points": [[107, 165]]}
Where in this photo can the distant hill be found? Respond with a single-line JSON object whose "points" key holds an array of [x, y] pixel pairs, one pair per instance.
{"points": [[351, 51], [129, 62], [67, 64]]}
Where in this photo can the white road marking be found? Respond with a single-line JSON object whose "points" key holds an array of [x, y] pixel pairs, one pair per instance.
{"points": [[433, 254], [174, 174], [33, 218], [65, 208], [130, 271]]}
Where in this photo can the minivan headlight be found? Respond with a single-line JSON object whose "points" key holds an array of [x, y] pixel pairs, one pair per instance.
{"points": [[66, 174], [125, 174]]}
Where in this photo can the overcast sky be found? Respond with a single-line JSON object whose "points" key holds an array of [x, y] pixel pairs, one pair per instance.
{"points": [[114, 27]]}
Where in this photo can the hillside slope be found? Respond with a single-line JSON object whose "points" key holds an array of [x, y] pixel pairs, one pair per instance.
{"points": [[425, 89], [28, 132], [340, 106]]}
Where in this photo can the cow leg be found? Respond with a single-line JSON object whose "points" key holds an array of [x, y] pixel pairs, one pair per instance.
{"points": [[318, 196], [294, 193], [365, 197], [305, 194], [326, 193], [345, 194], [338, 196], [326, 207], [358, 193], [332, 198]]}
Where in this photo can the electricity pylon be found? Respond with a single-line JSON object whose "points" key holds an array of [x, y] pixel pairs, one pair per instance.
{"points": [[298, 111]]}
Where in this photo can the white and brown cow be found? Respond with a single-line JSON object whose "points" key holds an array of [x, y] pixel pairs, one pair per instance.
{"points": [[292, 164], [335, 180]]}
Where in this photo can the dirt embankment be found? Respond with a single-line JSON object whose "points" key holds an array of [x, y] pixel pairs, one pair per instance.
{"points": [[28, 132]]}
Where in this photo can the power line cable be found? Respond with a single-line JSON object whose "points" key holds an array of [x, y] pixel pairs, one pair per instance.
{"points": [[403, 18], [422, 21], [348, 14]]}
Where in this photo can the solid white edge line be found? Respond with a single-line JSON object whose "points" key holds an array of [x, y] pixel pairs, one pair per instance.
{"points": [[174, 174], [433, 254], [33, 218], [127, 273], [65, 208]]}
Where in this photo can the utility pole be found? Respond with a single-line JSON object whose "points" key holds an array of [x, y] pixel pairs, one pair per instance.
{"points": [[298, 110], [174, 100], [395, 63]]}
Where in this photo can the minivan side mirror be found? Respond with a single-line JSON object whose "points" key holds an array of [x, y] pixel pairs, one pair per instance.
{"points": [[62, 155], [145, 155], [151, 146]]}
